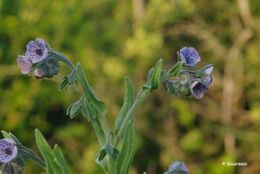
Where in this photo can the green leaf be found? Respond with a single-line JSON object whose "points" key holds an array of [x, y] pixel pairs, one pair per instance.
{"points": [[126, 154], [156, 76], [128, 102], [149, 77], [12, 136], [63, 83], [47, 153], [88, 110], [96, 105], [73, 109], [175, 70], [60, 160], [5, 134]]}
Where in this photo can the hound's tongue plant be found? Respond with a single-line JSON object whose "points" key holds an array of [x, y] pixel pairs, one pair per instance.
{"points": [[117, 145]]}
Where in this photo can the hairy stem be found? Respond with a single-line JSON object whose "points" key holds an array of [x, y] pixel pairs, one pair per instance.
{"points": [[63, 59], [142, 95]]}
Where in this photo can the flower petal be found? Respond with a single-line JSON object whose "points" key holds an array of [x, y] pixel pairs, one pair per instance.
{"points": [[25, 64], [189, 56]]}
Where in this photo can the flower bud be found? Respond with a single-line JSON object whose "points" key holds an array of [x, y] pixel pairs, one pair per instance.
{"points": [[47, 68], [180, 86]]}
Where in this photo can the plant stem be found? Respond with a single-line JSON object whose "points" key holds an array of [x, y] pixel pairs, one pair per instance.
{"points": [[142, 95], [63, 58], [111, 166], [105, 124]]}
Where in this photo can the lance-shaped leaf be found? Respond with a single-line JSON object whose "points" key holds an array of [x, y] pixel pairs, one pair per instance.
{"points": [[60, 160], [156, 76], [126, 154], [52, 160], [175, 70], [88, 111], [95, 105], [128, 102]]}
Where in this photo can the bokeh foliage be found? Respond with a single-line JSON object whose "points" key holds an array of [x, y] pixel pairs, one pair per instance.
{"points": [[112, 39]]}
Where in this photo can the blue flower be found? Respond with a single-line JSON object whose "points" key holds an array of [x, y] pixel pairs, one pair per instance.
{"points": [[36, 50], [200, 85], [189, 56], [198, 88], [8, 150]]}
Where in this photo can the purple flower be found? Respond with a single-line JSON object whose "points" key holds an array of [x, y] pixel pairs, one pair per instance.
{"points": [[36, 50], [8, 150], [189, 56], [25, 64]]}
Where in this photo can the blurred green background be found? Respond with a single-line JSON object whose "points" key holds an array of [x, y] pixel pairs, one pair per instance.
{"points": [[125, 37]]}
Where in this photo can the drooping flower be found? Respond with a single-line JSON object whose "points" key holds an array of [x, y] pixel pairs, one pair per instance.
{"points": [[198, 88], [8, 150], [36, 50], [25, 64], [189, 56]]}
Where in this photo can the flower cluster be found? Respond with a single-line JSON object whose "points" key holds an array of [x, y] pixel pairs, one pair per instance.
{"points": [[190, 82], [37, 60]]}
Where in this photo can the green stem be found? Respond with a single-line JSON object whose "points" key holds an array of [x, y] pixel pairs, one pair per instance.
{"points": [[143, 94], [111, 166], [105, 125], [62, 58]]}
